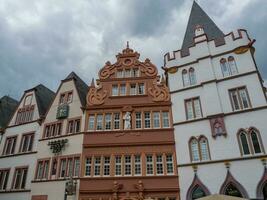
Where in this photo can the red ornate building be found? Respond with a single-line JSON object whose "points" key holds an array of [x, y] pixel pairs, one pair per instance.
{"points": [[129, 148]]}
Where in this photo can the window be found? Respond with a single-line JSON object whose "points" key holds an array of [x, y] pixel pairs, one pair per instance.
{"points": [[199, 149], [149, 165], [63, 168], [194, 150], [156, 119], [117, 165], [91, 124], [28, 100], [116, 120], [108, 121], [135, 72], [69, 167], [10, 145], [133, 89], [185, 76], [147, 119], [231, 190], [141, 88], [138, 120], [76, 167], [115, 91], [53, 129], [192, 76], [4, 174], [119, 74], [127, 165], [169, 163], [74, 126], [88, 166], [99, 122], [239, 98], [122, 89], [106, 166], [127, 73], [20, 177], [26, 142], [24, 114], [66, 97], [165, 120], [255, 142], [198, 192], [137, 165], [159, 164], [97, 166], [232, 65], [193, 108], [42, 169], [204, 149], [228, 68], [244, 143]]}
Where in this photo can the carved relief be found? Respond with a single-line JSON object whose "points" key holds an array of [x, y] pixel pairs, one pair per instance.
{"points": [[127, 59], [159, 91], [217, 126], [96, 95]]}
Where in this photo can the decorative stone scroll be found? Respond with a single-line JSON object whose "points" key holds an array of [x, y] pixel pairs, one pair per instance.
{"points": [[159, 91], [128, 58], [96, 95]]}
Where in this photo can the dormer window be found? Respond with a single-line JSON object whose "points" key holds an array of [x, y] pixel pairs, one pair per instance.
{"points": [[65, 97], [28, 100], [199, 30]]}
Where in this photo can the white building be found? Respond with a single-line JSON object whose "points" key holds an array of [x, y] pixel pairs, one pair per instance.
{"points": [[219, 112], [19, 142], [60, 144]]}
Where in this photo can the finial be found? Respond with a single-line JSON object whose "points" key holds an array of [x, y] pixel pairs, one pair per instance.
{"points": [[93, 82], [127, 45]]}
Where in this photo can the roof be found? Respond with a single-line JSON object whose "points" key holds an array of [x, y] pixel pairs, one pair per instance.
{"points": [[44, 97], [81, 86], [199, 17], [8, 106], [220, 197]]}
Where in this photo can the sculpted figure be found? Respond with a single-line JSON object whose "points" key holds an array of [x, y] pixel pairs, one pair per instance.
{"points": [[127, 120]]}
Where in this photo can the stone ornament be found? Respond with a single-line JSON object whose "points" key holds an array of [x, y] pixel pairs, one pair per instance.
{"points": [[127, 121], [128, 58], [96, 95], [159, 91]]}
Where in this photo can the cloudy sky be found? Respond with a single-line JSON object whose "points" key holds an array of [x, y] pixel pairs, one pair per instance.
{"points": [[42, 41]]}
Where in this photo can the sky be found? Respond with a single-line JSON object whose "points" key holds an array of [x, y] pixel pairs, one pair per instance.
{"points": [[42, 41]]}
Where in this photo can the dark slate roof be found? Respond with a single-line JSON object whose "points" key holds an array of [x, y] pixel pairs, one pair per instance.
{"points": [[44, 97], [8, 106], [81, 86], [199, 17]]}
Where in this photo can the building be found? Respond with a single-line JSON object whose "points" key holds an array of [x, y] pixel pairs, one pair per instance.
{"points": [[60, 144], [19, 143], [219, 112], [128, 146]]}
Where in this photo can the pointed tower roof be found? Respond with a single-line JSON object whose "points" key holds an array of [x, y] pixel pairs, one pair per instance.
{"points": [[82, 87], [198, 17]]}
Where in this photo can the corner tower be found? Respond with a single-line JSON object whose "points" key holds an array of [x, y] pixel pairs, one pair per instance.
{"points": [[128, 148]]}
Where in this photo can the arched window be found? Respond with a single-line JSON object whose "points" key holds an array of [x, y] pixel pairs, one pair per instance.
{"points": [[192, 76], [244, 143], [232, 65], [194, 150], [198, 192], [224, 67], [255, 142], [231, 190], [204, 149], [186, 80]]}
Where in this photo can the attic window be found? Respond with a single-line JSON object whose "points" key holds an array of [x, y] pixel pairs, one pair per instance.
{"points": [[199, 30], [28, 100]]}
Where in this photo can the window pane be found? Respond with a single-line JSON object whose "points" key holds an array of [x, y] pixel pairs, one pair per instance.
{"points": [[97, 166], [159, 164], [232, 65], [244, 98], [138, 120], [231, 190], [135, 73], [194, 149], [197, 108], [204, 149], [119, 74], [116, 120], [128, 164], [108, 121], [137, 165], [115, 90], [234, 99], [244, 143], [198, 193], [156, 119], [127, 73], [149, 165], [99, 122], [192, 76], [169, 161], [133, 89], [122, 90], [255, 142], [189, 110], [147, 119], [88, 166], [225, 69], [165, 119], [91, 122], [186, 81], [118, 165], [106, 166], [141, 88]]}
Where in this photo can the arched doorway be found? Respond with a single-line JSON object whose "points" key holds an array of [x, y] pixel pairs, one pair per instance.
{"points": [[197, 189]]}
